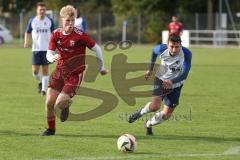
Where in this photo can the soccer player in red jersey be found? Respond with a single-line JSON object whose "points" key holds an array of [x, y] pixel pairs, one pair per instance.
{"points": [[67, 46], [175, 27]]}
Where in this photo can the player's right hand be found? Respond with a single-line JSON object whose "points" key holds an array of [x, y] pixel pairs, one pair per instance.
{"points": [[56, 57], [25, 45], [147, 74], [167, 84]]}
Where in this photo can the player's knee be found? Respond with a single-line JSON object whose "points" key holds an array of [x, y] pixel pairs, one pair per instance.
{"points": [[154, 107], [166, 116], [50, 104], [61, 104], [35, 73], [45, 72]]}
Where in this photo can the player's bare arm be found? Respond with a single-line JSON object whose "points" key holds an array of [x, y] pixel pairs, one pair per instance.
{"points": [[148, 73], [26, 40]]}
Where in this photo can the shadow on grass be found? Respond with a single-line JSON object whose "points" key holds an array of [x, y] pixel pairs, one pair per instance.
{"points": [[10, 133], [192, 138]]}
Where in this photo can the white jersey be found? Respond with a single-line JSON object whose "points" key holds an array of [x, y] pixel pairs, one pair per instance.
{"points": [[80, 23], [41, 31], [170, 67], [175, 67]]}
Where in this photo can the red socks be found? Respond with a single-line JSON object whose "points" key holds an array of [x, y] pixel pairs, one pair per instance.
{"points": [[51, 123]]}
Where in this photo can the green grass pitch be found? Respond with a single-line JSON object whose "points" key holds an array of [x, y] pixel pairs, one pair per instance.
{"points": [[206, 124]]}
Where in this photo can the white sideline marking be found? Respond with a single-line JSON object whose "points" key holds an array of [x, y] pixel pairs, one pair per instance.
{"points": [[232, 151]]}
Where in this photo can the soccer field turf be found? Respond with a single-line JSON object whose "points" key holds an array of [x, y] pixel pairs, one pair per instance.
{"points": [[206, 124]]}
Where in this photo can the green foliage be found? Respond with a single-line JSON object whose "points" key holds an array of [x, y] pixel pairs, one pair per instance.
{"points": [[18, 6], [152, 32], [54, 4], [159, 12], [155, 12]]}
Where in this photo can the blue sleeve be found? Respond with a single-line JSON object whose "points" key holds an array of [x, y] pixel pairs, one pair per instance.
{"points": [[186, 66], [157, 50], [29, 26], [52, 25], [84, 24]]}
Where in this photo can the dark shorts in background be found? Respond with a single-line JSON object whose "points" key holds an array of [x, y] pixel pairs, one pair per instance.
{"points": [[39, 58]]}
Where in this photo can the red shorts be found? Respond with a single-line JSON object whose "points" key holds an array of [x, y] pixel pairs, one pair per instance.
{"points": [[68, 85]]}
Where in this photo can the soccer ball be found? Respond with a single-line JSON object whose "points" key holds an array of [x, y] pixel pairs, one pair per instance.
{"points": [[127, 143]]}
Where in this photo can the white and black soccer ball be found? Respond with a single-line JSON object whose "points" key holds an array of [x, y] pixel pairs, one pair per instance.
{"points": [[127, 143]]}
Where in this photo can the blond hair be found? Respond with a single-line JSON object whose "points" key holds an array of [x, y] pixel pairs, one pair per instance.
{"points": [[68, 11]]}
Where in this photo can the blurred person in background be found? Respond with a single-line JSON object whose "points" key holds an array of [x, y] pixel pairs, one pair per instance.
{"points": [[175, 27], [40, 28], [80, 22]]}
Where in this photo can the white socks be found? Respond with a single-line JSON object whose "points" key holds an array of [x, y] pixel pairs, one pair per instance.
{"points": [[38, 77], [45, 80], [146, 109], [156, 119]]}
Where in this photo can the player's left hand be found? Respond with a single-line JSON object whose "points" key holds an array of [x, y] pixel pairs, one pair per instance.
{"points": [[147, 74], [103, 72], [25, 45], [167, 84]]}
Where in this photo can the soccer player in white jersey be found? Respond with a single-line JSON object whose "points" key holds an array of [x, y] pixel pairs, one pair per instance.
{"points": [[80, 21], [40, 27], [173, 70]]}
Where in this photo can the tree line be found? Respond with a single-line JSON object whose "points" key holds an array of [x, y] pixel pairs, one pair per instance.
{"points": [[156, 12]]}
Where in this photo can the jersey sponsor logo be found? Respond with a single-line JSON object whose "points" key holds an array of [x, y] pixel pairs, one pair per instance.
{"points": [[72, 43], [41, 30], [65, 49], [174, 69]]}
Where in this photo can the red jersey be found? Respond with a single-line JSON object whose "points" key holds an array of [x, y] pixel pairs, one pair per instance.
{"points": [[71, 48], [175, 28]]}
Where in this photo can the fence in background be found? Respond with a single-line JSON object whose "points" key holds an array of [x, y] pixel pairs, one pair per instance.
{"points": [[215, 38], [107, 27]]}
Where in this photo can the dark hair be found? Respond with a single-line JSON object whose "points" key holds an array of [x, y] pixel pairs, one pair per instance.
{"points": [[174, 38], [41, 4], [78, 13]]}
